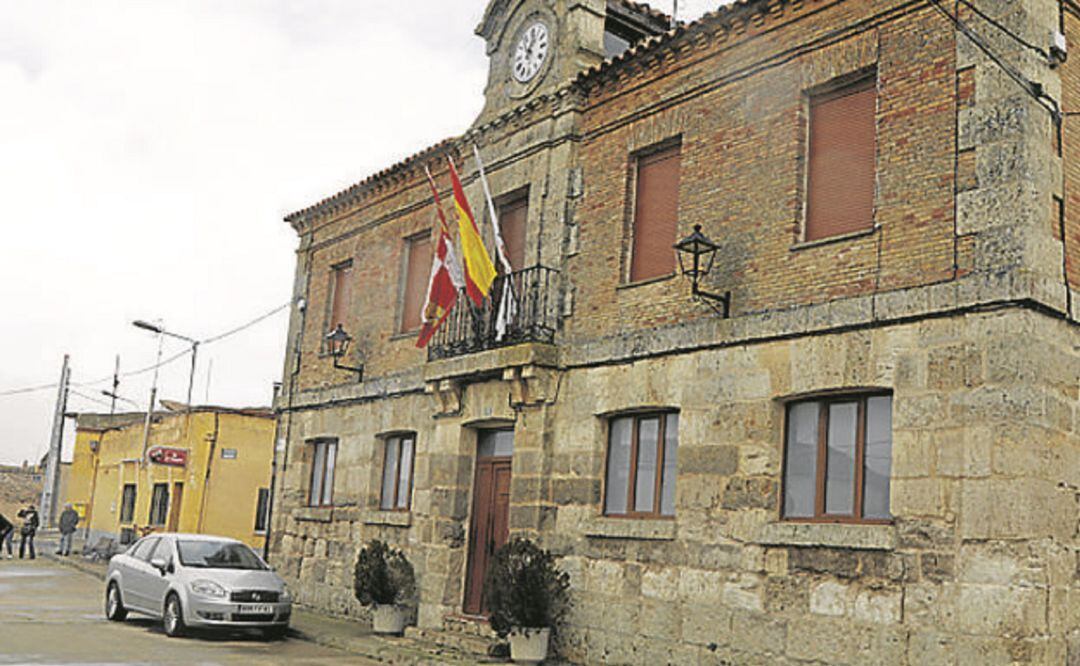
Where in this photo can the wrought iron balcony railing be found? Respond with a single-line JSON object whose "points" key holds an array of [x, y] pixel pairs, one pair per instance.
{"points": [[533, 317]]}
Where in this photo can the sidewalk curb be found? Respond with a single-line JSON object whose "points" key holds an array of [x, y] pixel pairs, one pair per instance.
{"points": [[384, 650], [76, 564]]}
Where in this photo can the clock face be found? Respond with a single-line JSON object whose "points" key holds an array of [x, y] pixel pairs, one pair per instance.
{"points": [[531, 52]]}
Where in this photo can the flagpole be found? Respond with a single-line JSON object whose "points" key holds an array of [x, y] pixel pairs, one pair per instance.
{"points": [[507, 304]]}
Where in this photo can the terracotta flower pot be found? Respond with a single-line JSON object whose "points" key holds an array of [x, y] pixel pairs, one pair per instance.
{"points": [[528, 645], [388, 619]]}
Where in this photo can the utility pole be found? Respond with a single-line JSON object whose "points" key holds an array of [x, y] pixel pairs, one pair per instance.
{"points": [[115, 385], [150, 409], [52, 462], [675, 14]]}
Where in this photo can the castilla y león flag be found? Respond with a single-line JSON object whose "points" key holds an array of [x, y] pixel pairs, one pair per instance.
{"points": [[479, 270], [445, 279]]}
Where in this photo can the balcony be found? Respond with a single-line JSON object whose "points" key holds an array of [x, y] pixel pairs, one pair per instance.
{"points": [[469, 330]]}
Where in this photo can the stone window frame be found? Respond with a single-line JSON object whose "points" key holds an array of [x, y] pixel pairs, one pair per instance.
{"points": [[324, 500], [833, 87], [825, 398], [399, 436], [403, 282], [507, 199], [626, 253], [638, 415], [335, 269]]}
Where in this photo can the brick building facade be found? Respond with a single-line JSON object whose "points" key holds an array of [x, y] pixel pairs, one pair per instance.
{"points": [[875, 459]]}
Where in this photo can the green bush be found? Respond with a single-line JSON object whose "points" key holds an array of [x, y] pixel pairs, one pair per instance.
{"points": [[383, 576], [524, 588]]}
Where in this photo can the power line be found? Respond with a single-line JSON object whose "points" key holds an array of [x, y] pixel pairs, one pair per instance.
{"points": [[246, 326], [1000, 26], [1032, 88], [29, 389], [150, 368], [88, 398]]}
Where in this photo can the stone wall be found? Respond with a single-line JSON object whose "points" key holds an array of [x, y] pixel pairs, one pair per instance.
{"points": [[955, 301], [979, 567]]}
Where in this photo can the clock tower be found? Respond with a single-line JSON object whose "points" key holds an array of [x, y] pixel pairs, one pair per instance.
{"points": [[537, 46]]}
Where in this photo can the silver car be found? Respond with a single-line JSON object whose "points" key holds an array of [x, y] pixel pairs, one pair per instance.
{"points": [[193, 580]]}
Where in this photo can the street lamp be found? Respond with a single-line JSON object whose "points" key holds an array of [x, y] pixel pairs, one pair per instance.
{"points": [[115, 397], [155, 328], [338, 342], [696, 254]]}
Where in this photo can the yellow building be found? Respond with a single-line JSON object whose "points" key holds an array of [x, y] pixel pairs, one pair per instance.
{"points": [[206, 472]]}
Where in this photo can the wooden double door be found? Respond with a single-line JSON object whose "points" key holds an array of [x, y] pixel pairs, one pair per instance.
{"points": [[490, 525]]}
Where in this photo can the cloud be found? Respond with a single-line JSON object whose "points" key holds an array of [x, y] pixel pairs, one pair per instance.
{"points": [[150, 151]]}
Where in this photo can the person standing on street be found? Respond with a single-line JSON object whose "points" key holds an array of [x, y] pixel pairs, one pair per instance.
{"points": [[68, 520], [6, 530], [30, 524]]}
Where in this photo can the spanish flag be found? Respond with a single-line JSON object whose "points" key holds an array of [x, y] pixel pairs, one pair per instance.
{"points": [[479, 270], [446, 279]]}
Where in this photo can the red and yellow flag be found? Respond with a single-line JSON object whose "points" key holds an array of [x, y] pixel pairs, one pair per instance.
{"points": [[445, 279], [479, 270]]}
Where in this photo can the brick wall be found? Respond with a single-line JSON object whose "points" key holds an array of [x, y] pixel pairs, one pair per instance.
{"points": [[1070, 83], [743, 138]]}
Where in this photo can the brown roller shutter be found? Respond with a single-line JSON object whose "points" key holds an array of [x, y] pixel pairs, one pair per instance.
{"points": [[843, 148], [512, 217], [656, 213], [342, 294], [417, 272]]}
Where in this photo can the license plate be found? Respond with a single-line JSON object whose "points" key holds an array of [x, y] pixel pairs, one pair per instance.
{"points": [[256, 609]]}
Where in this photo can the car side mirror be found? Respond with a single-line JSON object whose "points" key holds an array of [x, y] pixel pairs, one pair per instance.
{"points": [[160, 564]]}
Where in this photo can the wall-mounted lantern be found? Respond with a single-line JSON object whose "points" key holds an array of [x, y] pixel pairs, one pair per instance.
{"points": [[338, 342], [696, 254]]}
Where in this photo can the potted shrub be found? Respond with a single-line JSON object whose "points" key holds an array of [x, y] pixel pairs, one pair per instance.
{"points": [[384, 582], [526, 595]]}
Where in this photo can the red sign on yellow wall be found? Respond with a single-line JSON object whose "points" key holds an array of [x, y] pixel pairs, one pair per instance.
{"points": [[163, 455]]}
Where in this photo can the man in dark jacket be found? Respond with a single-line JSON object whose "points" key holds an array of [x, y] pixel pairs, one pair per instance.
{"points": [[6, 530], [68, 520], [30, 524]]}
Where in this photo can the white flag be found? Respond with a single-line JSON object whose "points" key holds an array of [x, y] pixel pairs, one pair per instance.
{"points": [[508, 302]]}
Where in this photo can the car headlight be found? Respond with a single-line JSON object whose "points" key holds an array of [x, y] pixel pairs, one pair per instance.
{"points": [[208, 588], [286, 595]]}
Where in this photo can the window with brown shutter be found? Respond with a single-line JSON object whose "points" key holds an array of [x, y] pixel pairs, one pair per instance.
{"points": [[340, 294], [656, 210], [417, 272], [512, 217], [842, 161]]}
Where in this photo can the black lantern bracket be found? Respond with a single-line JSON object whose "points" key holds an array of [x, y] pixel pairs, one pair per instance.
{"points": [[696, 254], [339, 342]]}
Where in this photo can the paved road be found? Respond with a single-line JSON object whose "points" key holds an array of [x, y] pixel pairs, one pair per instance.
{"points": [[50, 614]]}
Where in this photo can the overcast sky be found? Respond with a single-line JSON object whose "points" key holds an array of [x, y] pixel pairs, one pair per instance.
{"points": [[149, 150]]}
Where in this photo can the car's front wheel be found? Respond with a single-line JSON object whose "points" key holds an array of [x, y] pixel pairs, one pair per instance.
{"points": [[275, 633], [114, 604], [174, 617]]}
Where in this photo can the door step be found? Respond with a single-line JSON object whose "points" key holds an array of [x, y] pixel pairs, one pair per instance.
{"points": [[466, 624], [470, 644]]}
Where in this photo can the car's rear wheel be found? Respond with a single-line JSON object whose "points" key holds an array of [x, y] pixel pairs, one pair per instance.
{"points": [[174, 617], [114, 604]]}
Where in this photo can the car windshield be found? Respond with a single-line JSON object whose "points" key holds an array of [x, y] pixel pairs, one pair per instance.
{"points": [[218, 555]]}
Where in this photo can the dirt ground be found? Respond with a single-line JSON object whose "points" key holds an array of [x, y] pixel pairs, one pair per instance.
{"points": [[17, 489]]}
